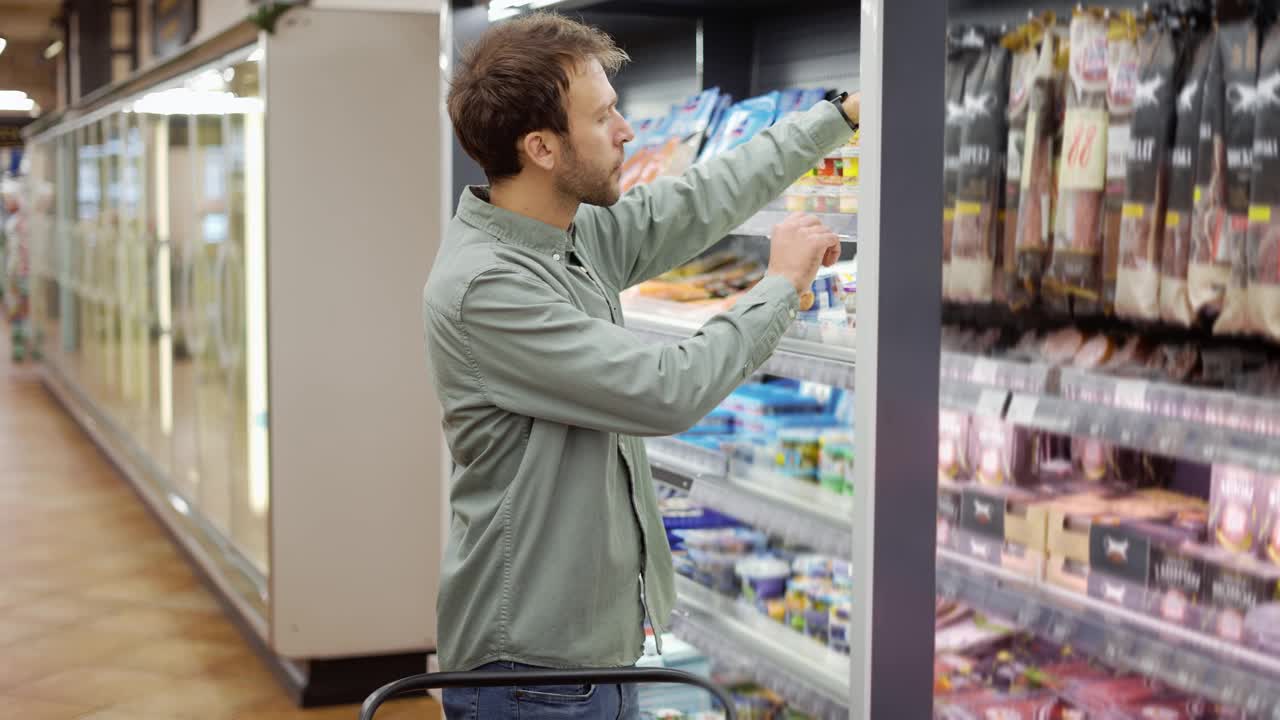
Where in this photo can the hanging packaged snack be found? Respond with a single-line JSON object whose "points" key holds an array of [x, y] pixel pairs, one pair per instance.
{"points": [[1240, 49], [1147, 179], [1074, 278], [1209, 266], [1021, 79], [964, 45], [1033, 238], [1125, 57], [980, 182], [1264, 205], [1175, 303]]}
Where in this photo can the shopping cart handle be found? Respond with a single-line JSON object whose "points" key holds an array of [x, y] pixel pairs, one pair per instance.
{"points": [[505, 678]]}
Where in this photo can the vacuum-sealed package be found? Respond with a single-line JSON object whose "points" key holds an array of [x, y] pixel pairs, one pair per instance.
{"points": [[1210, 266], [1264, 204], [1124, 62], [1075, 269], [980, 183], [1175, 304], [1034, 235], [1021, 79], [1147, 180], [963, 51], [1240, 46]]}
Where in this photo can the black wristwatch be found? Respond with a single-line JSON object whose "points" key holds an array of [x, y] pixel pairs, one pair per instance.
{"points": [[839, 103]]}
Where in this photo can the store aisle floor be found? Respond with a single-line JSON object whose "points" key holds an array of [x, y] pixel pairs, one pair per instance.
{"points": [[101, 618]]}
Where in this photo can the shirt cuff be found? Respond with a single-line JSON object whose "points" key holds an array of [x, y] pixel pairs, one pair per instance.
{"points": [[826, 124], [778, 295]]}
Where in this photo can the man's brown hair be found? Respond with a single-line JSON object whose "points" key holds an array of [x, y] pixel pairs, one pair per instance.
{"points": [[513, 81]]}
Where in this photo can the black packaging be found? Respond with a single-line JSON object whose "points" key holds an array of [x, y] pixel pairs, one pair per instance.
{"points": [[964, 45], [1209, 265], [1241, 45], [1175, 304], [1264, 205], [979, 189], [1147, 179]]}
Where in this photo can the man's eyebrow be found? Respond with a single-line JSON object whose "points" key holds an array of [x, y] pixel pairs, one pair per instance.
{"points": [[609, 104]]}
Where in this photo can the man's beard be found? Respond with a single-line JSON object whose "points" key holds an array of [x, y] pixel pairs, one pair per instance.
{"points": [[586, 184]]}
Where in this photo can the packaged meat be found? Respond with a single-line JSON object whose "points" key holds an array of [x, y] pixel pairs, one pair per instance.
{"points": [[953, 446], [1124, 62], [1034, 236], [1023, 45], [1060, 347], [1175, 304], [1236, 499], [983, 138], [1000, 452], [1074, 277], [1240, 49], [1269, 528], [1264, 205], [1142, 221], [1094, 353], [964, 46], [1210, 266]]}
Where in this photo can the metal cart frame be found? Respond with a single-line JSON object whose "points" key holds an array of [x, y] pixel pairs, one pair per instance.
{"points": [[503, 678]]}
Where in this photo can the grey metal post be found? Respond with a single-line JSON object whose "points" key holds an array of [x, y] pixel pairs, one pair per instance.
{"points": [[899, 317]]}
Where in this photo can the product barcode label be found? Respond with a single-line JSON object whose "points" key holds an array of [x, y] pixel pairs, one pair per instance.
{"points": [[984, 372], [1131, 394], [991, 403]]}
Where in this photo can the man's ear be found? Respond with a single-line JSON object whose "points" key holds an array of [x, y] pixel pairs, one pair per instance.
{"points": [[541, 148]]}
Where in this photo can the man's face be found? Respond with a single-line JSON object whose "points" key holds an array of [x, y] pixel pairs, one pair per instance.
{"points": [[590, 170]]}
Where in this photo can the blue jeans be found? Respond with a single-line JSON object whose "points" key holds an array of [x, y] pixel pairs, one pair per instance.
{"points": [[548, 702]]}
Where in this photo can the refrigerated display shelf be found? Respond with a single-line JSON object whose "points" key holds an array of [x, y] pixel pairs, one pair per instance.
{"points": [[802, 359], [762, 223], [1117, 636], [799, 511], [1196, 424], [805, 672]]}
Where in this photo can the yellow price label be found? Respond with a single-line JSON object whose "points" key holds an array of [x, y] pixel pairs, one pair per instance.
{"points": [[948, 214], [969, 208], [1173, 218], [1133, 210], [1197, 194], [1260, 213]]}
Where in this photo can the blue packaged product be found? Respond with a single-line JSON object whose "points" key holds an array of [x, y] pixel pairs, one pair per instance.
{"points": [[760, 399], [716, 129], [693, 117], [795, 100], [718, 421], [745, 119]]}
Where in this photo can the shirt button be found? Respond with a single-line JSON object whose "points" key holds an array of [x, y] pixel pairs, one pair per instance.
{"points": [[556, 257], [792, 314]]}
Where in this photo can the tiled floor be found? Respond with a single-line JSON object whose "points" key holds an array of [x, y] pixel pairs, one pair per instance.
{"points": [[100, 617]]}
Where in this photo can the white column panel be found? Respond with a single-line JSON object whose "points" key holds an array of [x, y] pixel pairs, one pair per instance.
{"points": [[353, 189]]}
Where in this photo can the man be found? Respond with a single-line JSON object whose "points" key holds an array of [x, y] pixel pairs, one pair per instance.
{"points": [[556, 554]]}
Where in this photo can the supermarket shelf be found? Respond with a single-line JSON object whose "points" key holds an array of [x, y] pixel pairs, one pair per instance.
{"points": [[1121, 638], [1196, 424], [799, 511], [794, 358], [762, 223], [800, 669]]}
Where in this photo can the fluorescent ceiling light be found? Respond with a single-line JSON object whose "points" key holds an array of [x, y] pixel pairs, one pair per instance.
{"points": [[52, 51], [257, 55], [16, 100], [3, 44], [185, 101]]}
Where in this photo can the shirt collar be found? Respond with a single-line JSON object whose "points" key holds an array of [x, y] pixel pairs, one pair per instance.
{"points": [[475, 209]]}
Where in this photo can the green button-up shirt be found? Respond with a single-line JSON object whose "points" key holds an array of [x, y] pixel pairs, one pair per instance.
{"points": [[556, 552]]}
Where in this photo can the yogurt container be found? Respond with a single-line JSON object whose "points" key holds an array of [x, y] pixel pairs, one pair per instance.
{"points": [[763, 578]]}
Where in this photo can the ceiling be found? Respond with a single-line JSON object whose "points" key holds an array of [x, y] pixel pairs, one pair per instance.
{"points": [[28, 20], [27, 26]]}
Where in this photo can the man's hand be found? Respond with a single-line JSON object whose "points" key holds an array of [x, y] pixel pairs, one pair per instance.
{"points": [[853, 106], [800, 244]]}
